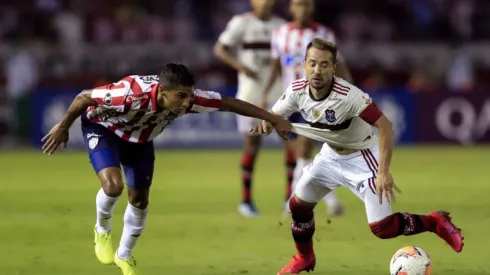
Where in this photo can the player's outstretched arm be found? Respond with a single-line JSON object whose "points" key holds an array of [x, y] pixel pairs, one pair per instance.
{"points": [[59, 133], [228, 104]]}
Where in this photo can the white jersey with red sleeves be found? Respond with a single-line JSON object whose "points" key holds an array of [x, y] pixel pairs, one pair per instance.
{"points": [[251, 37], [342, 119], [289, 46], [129, 108]]}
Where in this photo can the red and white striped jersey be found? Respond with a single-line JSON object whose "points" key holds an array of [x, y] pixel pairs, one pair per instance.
{"points": [[129, 108], [289, 43], [343, 118]]}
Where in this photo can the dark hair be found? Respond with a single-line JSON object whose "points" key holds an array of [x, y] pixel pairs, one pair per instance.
{"points": [[174, 74], [323, 45]]}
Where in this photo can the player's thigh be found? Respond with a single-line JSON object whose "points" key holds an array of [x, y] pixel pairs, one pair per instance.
{"points": [[374, 211], [138, 162], [315, 182], [103, 148]]}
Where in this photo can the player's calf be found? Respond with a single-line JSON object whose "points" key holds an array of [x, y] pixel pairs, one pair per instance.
{"points": [[302, 226], [134, 221], [402, 224]]}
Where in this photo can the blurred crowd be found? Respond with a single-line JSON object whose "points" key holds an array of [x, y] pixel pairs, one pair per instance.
{"points": [[89, 42]]}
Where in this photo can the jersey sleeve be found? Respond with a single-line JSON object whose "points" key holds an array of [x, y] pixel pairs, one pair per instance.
{"points": [[233, 33], [204, 102], [275, 54], [287, 103], [361, 105], [113, 96]]}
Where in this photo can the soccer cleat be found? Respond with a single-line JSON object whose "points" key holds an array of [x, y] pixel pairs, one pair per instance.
{"points": [[299, 264], [335, 210], [127, 266], [103, 247], [447, 231], [248, 209]]}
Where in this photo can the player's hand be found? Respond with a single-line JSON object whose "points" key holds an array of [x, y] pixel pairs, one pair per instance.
{"points": [[262, 128], [384, 186], [283, 127], [248, 72], [58, 135]]}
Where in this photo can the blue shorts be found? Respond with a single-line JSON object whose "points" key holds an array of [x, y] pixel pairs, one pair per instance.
{"points": [[296, 117], [106, 149]]}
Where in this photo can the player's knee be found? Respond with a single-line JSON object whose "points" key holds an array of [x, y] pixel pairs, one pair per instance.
{"points": [[111, 181], [252, 144], [140, 203], [300, 210], [138, 198]]}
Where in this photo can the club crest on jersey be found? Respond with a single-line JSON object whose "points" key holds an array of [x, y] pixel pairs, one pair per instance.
{"points": [[330, 115], [315, 113], [108, 99]]}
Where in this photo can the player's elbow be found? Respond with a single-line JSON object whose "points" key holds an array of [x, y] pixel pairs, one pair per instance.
{"points": [[219, 50]]}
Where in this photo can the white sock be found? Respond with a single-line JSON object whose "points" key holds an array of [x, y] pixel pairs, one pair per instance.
{"points": [[298, 170], [134, 223], [105, 208], [331, 199]]}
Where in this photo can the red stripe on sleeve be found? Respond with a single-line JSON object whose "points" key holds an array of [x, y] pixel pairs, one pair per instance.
{"points": [[371, 114]]}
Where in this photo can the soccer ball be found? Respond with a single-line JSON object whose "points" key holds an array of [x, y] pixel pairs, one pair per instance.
{"points": [[410, 260]]}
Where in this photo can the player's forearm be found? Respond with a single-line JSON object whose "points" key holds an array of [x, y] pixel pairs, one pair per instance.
{"points": [[224, 56], [343, 72], [243, 108], [81, 102], [386, 145]]}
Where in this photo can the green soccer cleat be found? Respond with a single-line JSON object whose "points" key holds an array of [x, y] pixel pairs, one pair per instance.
{"points": [[127, 266], [103, 247]]}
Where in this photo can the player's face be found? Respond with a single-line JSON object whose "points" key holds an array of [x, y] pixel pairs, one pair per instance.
{"points": [[262, 6], [319, 67], [176, 100], [301, 10]]}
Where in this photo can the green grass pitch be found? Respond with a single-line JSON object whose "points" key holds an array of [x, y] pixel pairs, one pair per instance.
{"points": [[48, 214]]}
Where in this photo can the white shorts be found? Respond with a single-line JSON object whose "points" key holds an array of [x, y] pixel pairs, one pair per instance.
{"points": [[245, 123], [356, 171]]}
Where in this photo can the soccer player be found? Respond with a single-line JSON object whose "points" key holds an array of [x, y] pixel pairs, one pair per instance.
{"points": [[341, 115], [288, 50], [250, 34], [119, 122]]}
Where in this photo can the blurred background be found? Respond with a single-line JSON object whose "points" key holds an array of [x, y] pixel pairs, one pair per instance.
{"points": [[425, 62]]}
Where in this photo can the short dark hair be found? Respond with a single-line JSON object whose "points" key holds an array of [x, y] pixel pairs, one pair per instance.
{"points": [[323, 45], [174, 74]]}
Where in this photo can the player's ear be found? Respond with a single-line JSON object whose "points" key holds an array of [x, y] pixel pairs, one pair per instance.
{"points": [[160, 88]]}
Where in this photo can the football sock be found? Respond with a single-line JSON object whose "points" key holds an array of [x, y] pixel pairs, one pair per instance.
{"points": [[402, 224], [298, 170], [290, 166], [302, 227], [134, 223], [105, 208], [248, 161]]}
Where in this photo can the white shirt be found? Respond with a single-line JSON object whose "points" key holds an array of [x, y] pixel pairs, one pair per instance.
{"points": [[339, 120]]}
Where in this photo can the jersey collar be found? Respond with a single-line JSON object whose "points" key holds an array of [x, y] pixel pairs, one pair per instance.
{"points": [[153, 97]]}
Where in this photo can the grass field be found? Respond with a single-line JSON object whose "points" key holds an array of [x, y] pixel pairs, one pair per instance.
{"points": [[193, 228]]}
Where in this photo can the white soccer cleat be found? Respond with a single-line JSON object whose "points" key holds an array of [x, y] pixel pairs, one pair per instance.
{"points": [[248, 210]]}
